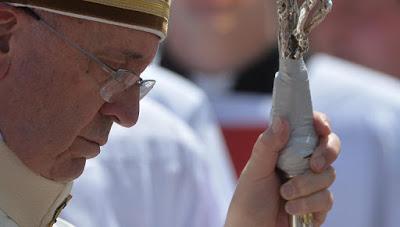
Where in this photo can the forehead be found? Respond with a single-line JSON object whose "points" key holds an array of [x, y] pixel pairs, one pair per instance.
{"points": [[101, 36]]}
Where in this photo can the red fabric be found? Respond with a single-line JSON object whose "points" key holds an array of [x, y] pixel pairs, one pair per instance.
{"points": [[240, 143]]}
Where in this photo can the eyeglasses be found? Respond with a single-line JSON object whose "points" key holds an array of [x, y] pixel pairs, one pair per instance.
{"points": [[120, 80]]}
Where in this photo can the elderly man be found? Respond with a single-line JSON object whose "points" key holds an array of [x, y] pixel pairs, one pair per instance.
{"points": [[64, 81], [145, 170], [175, 153]]}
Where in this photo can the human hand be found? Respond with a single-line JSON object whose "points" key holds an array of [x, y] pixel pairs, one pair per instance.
{"points": [[258, 199]]}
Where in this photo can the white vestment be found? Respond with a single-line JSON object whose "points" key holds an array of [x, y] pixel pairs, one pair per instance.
{"points": [[364, 107], [153, 174], [26, 199], [191, 104]]}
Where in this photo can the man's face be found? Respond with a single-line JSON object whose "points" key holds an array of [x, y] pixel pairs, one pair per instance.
{"points": [[53, 117], [214, 12], [363, 31]]}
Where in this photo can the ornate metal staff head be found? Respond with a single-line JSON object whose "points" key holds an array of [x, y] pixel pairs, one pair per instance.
{"points": [[296, 23]]}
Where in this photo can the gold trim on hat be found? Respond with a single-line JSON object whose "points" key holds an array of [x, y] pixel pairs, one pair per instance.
{"points": [[155, 7], [143, 17]]}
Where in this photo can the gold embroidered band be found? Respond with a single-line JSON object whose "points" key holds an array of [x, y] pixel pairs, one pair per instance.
{"points": [[155, 7], [145, 15]]}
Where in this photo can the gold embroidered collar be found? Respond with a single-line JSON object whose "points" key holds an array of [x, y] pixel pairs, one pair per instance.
{"points": [[28, 199]]}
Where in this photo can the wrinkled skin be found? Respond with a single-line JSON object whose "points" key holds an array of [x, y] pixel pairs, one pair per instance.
{"points": [[258, 197], [52, 115]]}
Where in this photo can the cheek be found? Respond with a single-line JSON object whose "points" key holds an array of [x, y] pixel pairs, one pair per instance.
{"points": [[73, 109], [57, 113], [53, 100], [62, 124]]}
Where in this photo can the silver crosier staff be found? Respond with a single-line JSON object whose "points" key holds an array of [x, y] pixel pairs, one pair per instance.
{"points": [[291, 95]]}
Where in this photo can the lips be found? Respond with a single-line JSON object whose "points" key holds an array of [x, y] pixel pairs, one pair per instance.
{"points": [[88, 148], [98, 142]]}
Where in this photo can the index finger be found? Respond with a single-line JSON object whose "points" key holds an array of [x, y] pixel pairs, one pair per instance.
{"points": [[326, 153], [322, 125]]}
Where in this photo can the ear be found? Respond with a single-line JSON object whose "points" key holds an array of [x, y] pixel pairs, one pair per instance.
{"points": [[8, 24]]}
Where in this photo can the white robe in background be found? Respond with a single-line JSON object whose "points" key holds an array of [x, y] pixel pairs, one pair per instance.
{"points": [[191, 104], [364, 108], [153, 174]]}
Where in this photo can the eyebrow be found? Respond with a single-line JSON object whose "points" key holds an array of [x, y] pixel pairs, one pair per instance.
{"points": [[132, 55]]}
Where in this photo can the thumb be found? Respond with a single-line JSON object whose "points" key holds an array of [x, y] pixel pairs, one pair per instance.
{"points": [[256, 198], [262, 162]]}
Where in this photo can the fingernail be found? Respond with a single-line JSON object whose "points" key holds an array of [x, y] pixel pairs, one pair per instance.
{"points": [[320, 162], [276, 125], [287, 191], [290, 208]]}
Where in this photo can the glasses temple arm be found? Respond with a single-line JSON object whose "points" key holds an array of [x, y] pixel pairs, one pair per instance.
{"points": [[74, 45]]}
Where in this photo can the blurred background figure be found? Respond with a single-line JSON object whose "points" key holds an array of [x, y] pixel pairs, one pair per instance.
{"points": [[234, 61], [366, 32], [190, 104], [175, 154]]}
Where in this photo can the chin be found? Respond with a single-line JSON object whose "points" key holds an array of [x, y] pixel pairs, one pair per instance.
{"points": [[68, 171]]}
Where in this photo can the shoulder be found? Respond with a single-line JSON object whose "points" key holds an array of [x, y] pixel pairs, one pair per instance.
{"points": [[361, 102], [343, 82]]}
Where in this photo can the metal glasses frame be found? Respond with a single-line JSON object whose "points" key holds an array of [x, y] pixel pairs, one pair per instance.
{"points": [[120, 80]]}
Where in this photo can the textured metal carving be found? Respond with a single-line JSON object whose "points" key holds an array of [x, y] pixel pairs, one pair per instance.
{"points": [[296, 20]]}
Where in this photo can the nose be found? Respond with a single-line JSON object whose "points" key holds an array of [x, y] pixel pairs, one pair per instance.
{"points": [[124, 108]]}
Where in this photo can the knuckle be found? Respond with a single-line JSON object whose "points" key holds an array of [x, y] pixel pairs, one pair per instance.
{"points": [[331, 150], [336, 138], [324, 118]]}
